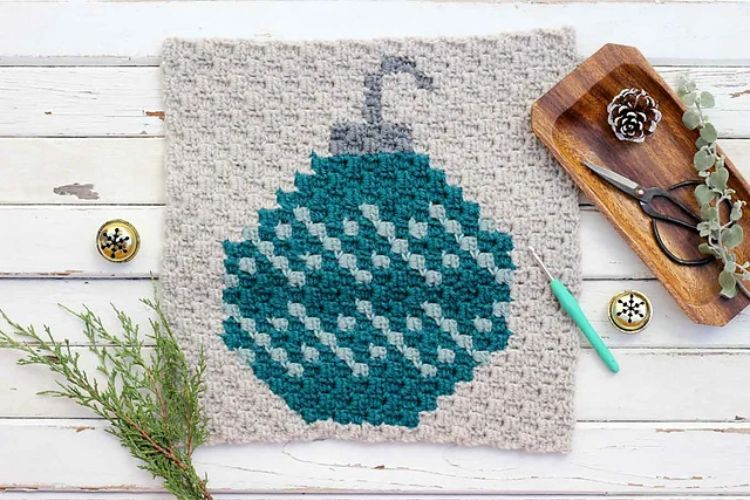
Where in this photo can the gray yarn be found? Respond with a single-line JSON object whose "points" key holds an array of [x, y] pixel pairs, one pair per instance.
{"points": [[373, 108], [377, 135], [242, 117]]}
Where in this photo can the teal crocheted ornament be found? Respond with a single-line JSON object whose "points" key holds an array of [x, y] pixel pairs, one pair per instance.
{"points": [[374, 287]]}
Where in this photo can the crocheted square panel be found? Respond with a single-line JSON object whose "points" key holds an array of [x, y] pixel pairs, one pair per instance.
{"points": [[346, 238]]}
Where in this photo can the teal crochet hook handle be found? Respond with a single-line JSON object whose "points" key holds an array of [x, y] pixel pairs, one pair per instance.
{"points": [[570, 305]]}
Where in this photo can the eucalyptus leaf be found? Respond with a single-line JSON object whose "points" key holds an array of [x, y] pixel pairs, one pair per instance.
{"points": [[719, 178], [701, 142], [709, 213], [703, 159], [691, 119], [703, 194], [736, 213], [682, 86], [727, 279], [706, 249], [704, 229], [732, 236], [708, 133], [707, 100], [710, 165], [688, 98], [728, 284]]}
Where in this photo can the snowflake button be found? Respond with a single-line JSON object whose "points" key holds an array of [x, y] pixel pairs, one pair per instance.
{"points": [[630, 311], [117, 241]]}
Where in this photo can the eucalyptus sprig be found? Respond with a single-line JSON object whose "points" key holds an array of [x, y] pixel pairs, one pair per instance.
{"points": [[721, 236], [149, 395]]}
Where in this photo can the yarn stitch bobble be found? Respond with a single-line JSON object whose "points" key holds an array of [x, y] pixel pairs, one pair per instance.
{"points": [[369, 292]]}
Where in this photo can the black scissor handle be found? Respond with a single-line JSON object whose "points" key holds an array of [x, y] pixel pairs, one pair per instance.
{"points": [[649, 194]]}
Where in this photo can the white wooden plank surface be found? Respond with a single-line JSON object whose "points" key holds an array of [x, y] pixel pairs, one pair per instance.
{"points": [[132, 33], [153, 495], [139, 495], [124, 170], [126, 101], [59, 241], [675, 371], [36, 302], [617, 458], [117, 171], [653, 385], [70, 250]]}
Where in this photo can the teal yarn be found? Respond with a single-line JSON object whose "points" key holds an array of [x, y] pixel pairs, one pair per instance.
{"points": [[369, 292]]}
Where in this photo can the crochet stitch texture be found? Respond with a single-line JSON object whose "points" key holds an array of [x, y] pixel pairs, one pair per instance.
{"points": [[346, 234], [389, 311]]}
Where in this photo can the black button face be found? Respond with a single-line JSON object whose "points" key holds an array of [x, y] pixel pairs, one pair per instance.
{"points": [[117, 241], [630, 311]]}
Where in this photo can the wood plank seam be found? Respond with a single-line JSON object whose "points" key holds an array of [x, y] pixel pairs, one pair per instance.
{"points": [[93, 102]]}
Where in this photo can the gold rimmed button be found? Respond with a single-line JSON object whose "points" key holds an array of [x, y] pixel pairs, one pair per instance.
{"points": [[118, 240], [630, 311]]}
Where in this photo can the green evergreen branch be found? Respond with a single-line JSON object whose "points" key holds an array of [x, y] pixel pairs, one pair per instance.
{"points": [[720, 236], [151, 398]]}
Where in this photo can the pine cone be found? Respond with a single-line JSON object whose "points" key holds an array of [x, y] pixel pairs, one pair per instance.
{"points": [[633, 115]]}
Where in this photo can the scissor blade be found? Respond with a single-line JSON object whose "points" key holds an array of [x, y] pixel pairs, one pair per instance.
{"points": [[619, 181]]}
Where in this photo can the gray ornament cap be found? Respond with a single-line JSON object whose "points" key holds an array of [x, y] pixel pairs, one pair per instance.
{"points": [[376, 135]]}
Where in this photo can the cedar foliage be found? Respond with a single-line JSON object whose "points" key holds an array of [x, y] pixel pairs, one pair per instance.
{"points": [[149, 395]]}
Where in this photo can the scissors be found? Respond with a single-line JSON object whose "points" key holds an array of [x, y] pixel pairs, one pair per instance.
{"points": [[646, 196]]}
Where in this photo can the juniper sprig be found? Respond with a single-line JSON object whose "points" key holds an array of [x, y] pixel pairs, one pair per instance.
{"points": [[143, 386]]}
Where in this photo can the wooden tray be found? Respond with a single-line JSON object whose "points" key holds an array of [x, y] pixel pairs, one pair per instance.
{"points": [[571, 120]]}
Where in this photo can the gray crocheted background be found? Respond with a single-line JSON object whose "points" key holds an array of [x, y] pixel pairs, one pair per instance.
{"points": [[243, 117]]}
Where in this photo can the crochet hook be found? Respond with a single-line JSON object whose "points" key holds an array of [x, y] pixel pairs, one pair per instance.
{"points": [[570, 305]]}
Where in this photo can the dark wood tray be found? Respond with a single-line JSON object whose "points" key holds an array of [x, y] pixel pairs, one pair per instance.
{"points": [[571, 120]]}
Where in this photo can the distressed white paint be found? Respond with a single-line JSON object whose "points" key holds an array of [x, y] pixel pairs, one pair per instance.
{"points": [[121, 171], [674, 371], [126, 101], [125, 170], [666, 458], [42, 165]]}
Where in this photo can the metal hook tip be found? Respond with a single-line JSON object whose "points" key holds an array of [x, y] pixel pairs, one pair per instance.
{"points": [[541, 264]]}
